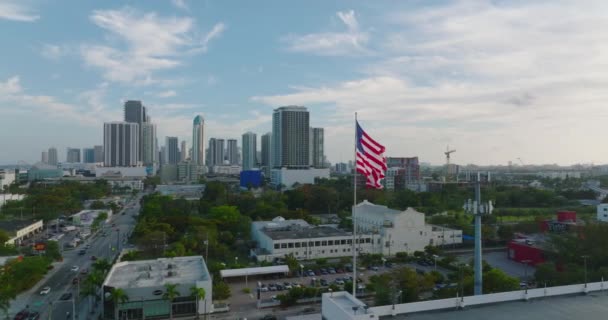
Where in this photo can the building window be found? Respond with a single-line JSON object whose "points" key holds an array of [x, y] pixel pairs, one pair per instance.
{"points": [[296, 253], [324, 243], [276, 245], [343, 242], [368, 240], [349, 241], [283, 245], [322, 251], [297, 244], [317, 243], [330, 243], [310, 244], [290, 245], [303, 244]]}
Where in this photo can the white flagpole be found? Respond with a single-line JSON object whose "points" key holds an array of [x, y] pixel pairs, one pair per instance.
{"points": [[354, 215]]}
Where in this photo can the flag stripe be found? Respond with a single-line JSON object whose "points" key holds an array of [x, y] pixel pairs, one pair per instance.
{"points": [[370, 160]]}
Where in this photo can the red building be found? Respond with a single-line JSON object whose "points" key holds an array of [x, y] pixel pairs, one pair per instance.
{"points": [[521, 250]]}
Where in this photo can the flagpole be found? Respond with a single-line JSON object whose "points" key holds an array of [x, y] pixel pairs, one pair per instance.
{"points": [[354, 215]]}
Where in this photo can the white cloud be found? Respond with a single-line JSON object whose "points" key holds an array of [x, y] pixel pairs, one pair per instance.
{"points": [[180, 4], [495, 81], [151, 44], [167, 94], [54, 52], [16, 11], [350, 42]]}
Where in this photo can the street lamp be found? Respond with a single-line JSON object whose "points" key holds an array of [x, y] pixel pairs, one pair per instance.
{"points": [[585, 261], [236, 261], [398, 296], [301, 272], [435, 258], [526, 262]]}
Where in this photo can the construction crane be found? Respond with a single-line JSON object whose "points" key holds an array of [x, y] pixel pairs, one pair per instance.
{"points": [[521, 161], [447, 161]]}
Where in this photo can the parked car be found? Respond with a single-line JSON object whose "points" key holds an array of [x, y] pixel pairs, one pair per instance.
{"points": [[331, 270], [94, 258], [288, 286], [323, 282], [263, 288], [339, 270], [279, 287], [310, 273], [22, 315], [33, 316], [45, 291], [375, 268], [65, 296], [82, 252], [272, 287], [84, 271], [74, 268]]}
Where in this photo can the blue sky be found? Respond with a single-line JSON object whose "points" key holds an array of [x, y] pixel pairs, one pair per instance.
{"points": [[496, 80]]}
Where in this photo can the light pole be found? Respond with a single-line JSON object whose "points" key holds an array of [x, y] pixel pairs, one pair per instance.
{"points": [[525, 262], [585, 262], [435, 258], [301, 272], [477, 209]]}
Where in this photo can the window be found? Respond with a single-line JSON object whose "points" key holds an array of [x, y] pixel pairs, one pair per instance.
{"points": [[343, 242], [330, 243], [324, 243], [322, 251], [317, 243], [296, 253], [303, 244], [283, 245], [297, 244], [290, 245], [349, 241], [310, 244], [276, 245], [420, 232], [368, 240]]}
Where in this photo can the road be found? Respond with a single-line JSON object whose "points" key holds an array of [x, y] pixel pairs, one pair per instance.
{"points": [[49, 306]]}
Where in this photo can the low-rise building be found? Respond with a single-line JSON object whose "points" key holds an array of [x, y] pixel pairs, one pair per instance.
{"points": [[602, 212], [231, 170], [188, 192], [281, 237], [286, 178], [85, 218], [141, 172], [144, 283], [401, 231], [20, 230], [7, 177]]}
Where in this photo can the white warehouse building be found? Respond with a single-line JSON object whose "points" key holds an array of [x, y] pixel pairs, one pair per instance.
{"points": [[602, 212], [281, 237], [401, 231]]}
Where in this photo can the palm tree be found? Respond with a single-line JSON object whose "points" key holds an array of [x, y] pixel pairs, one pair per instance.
{"points": [[118, 296], [102, 265], [198, 294], [170, 294]]}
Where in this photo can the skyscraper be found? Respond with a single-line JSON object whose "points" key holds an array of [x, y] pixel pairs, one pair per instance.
{"points": [[73, 155], [120, 144], [249, 150], [171, 150], [291, 137], [266, 157], [88, 155], [232, 152], [317, 152], [198, 141], [149, 153], [45, 157], [135, 112], [53, 156], [215, 152], [98, 154], [183, 152]]}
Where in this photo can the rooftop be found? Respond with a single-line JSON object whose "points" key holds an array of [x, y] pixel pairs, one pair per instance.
{"points": [[152, 273], [588, 307], [369, 207], [297, 232], [11, 226]]}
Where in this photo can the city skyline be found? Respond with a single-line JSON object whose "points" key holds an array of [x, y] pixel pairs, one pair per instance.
{"points": [[420, 75]]}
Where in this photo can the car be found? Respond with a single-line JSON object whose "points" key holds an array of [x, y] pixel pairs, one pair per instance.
{"points": [[287, 286], [339, 282], [113, 224], [22, 315], [389, 265], [331, 271], [296, 285], [274, 298], [45, 291], [375, 268], [323, 282], [339, 270], [263, 289], [74, 268], [84, 271], [324, 272], [308, 310], [65, 296], [33, 315], [272, 287], [82, 252], [75, 280], [279, 287], [94, 258], [310, 273]]}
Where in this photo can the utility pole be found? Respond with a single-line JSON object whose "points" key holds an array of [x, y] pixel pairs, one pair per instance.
{"points": [[477, 209]]}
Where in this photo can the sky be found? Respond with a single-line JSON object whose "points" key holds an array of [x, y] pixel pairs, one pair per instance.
{"points": [[494, 80]]}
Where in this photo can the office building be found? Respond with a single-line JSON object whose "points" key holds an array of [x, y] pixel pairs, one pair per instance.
{"points": [[73, 155], [53, 156], [45, 157], [149, 151], [145, 281], [88, 155], [401, 231], [183, 152], [249, 150], [7, 177], [286, 179], [98, 154], [198, 141], [266, 153], [120, 144], [317, 153], [291, 137], [280, 237], [188, 171], [135, 112], [232, 152], [215, 153], [171, 150]]}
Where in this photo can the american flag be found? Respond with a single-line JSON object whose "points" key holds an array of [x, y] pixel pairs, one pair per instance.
{"points": [[370, 159]]}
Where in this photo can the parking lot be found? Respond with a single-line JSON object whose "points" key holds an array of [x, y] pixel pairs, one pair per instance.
{"points": [[501, 261]]}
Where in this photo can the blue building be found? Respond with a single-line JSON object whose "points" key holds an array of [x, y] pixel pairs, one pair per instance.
{"points": [[251, 179]]}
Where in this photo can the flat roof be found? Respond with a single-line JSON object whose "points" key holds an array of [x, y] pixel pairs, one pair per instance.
{"points": [[149, 273], [301, 233], [227, 273], [11, 226], [589, 307]]}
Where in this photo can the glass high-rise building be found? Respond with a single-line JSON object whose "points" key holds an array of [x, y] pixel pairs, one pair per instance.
{"points": [[88, 155], [291, 137], [232, 152], [98, 154], [53, 156], [171, 150], [249, 150], [198, 141], [148, 141], [215, 152], [73, 155], [121, 144], [317, 152]]}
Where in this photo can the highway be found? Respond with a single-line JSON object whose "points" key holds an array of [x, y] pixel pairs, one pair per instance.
{"points": [[100, 246]]}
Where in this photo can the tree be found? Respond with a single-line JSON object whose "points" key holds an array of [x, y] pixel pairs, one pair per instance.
{"points": [[496, 280], [102, 265], [52, 250], [221, 291], [292, 263], [199, 295], [118, 296], [96, 205], [170, 294]]}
